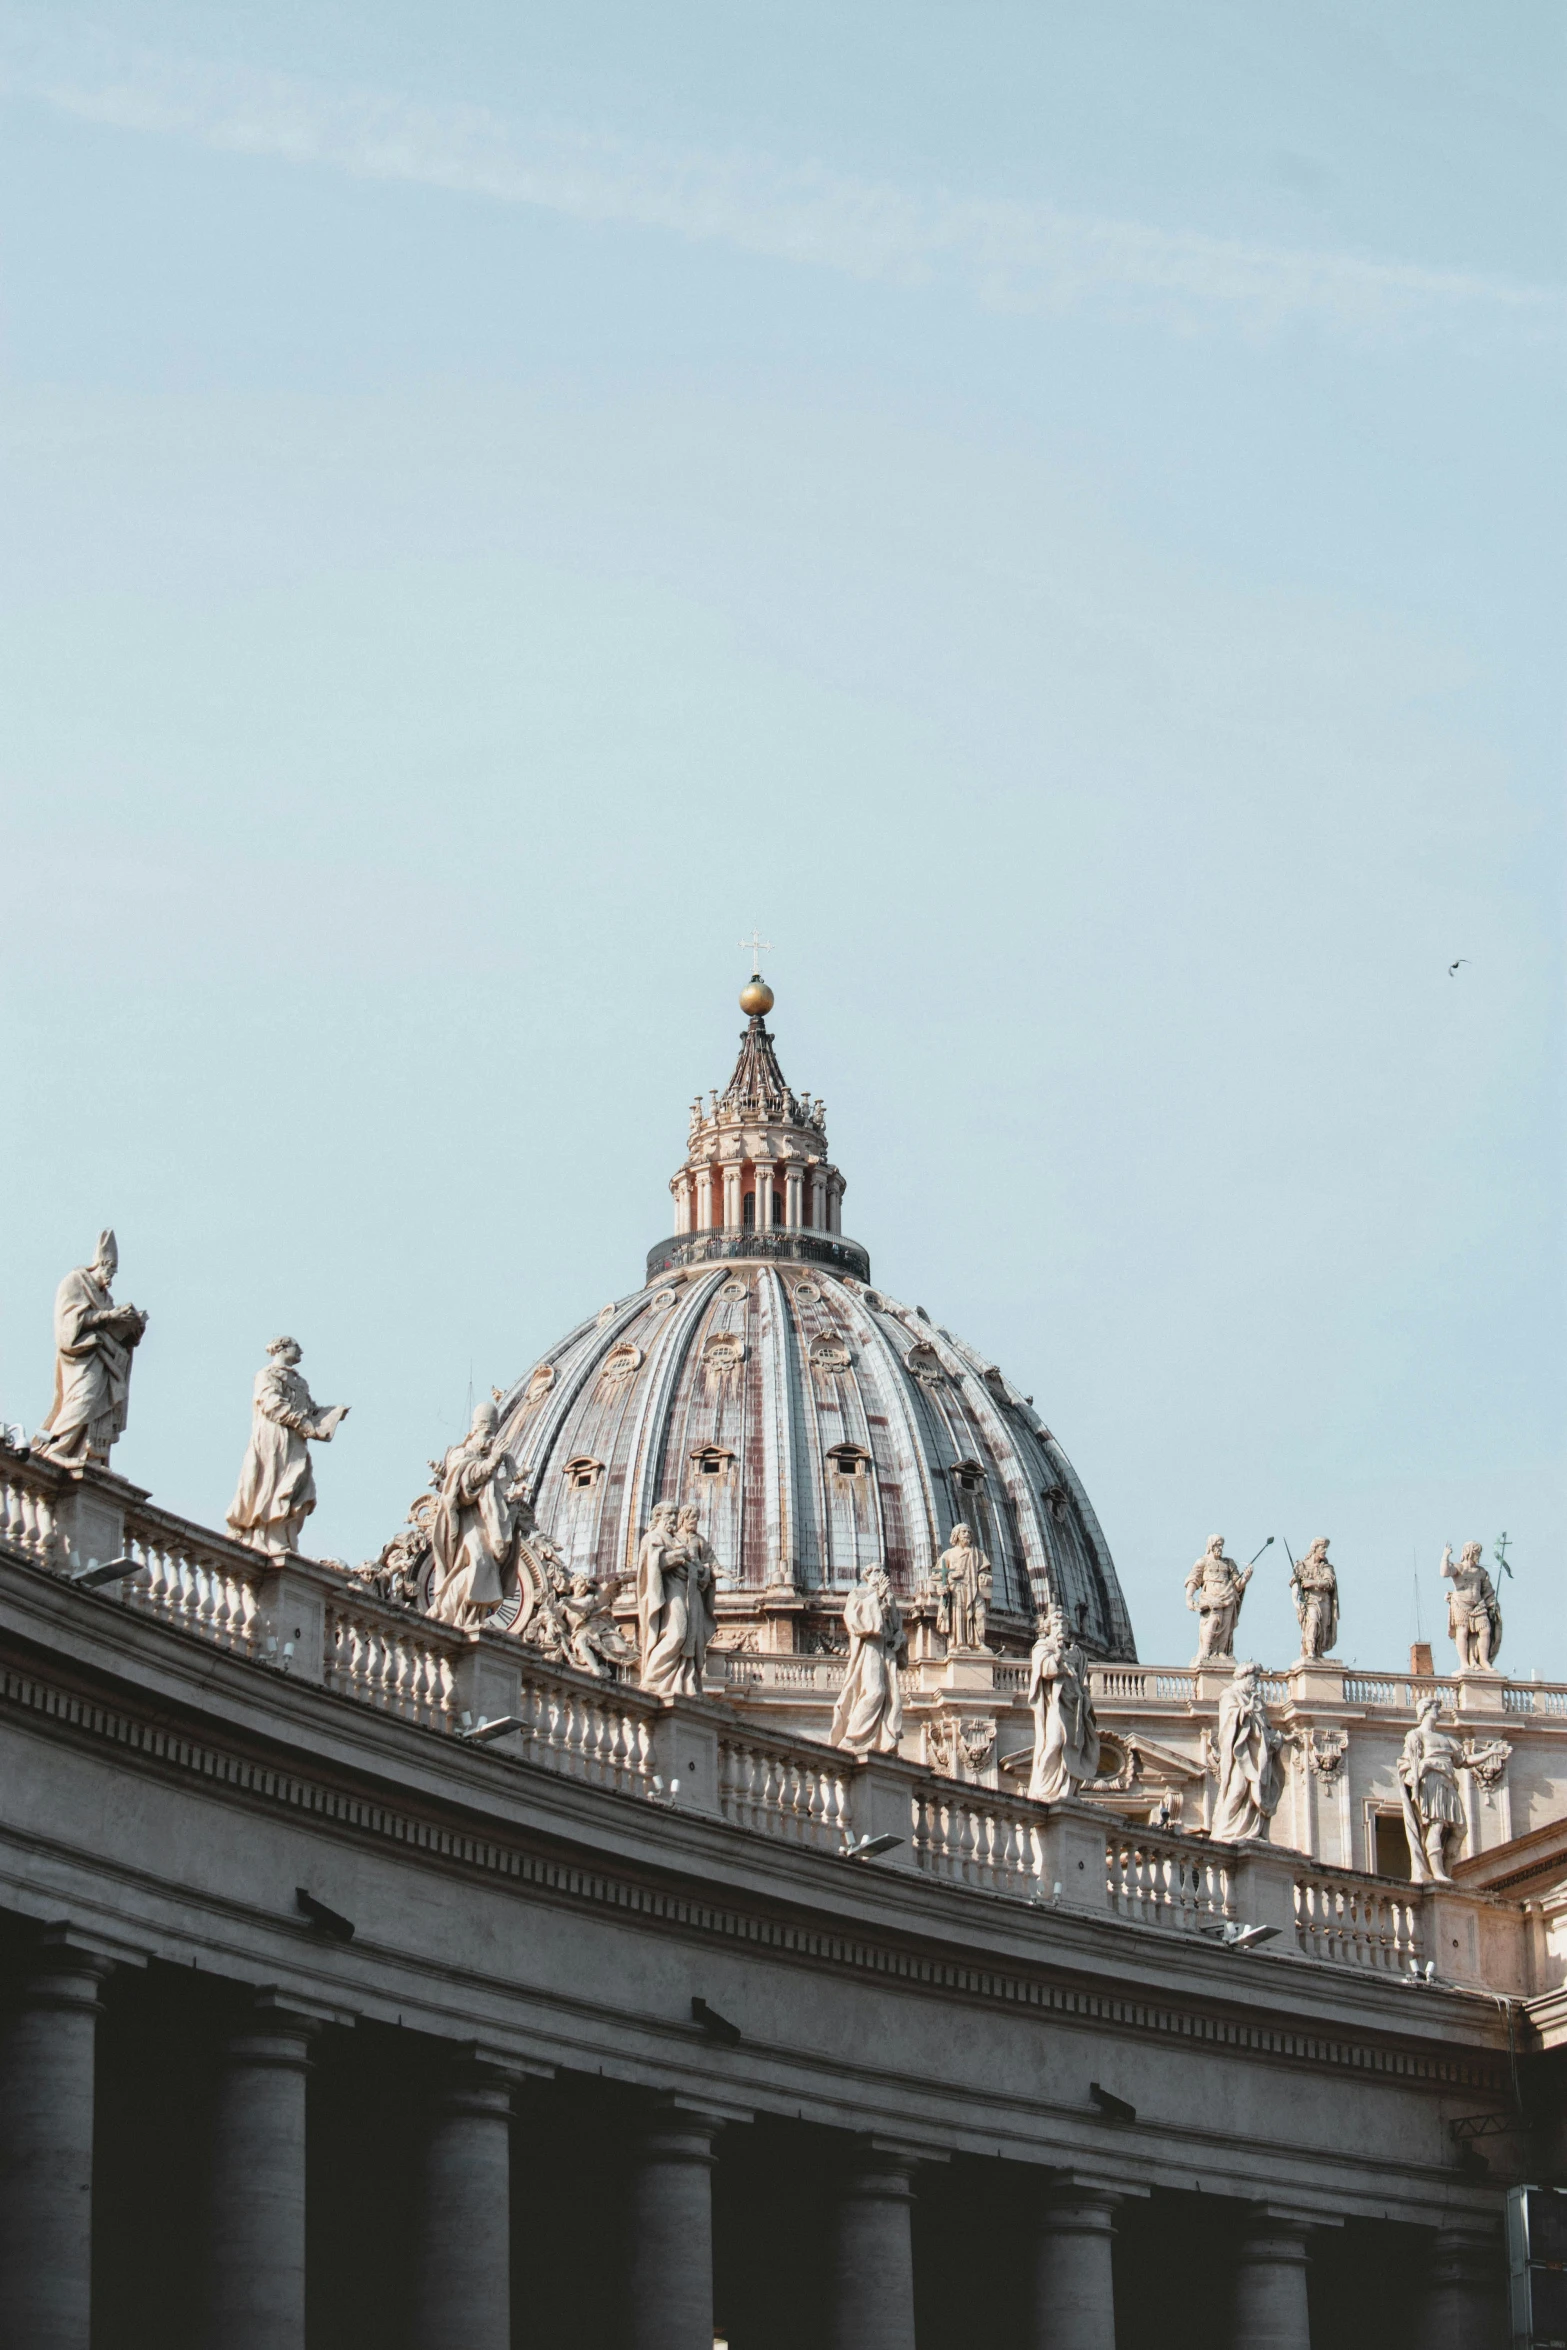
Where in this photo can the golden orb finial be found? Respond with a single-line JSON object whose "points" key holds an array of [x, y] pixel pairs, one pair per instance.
{"points": [[756, 997]]}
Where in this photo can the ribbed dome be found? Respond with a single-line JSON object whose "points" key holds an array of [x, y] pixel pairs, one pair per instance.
{"points": [[820, 1426]]}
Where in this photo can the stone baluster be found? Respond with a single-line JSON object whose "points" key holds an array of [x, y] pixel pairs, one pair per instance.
{"points": [[255, 2278], [671, 2282], [47, 2050], [870, 2276], [1465, 2306], [1073, 2303], [1269, 2310], [462, 2273]]}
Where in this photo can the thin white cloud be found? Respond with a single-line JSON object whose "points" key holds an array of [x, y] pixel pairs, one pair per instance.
{"points": [[1005, 254]]}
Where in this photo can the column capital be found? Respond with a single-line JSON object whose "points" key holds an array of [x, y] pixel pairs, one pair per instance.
{"points": [[68, 1947], [678, 2129]]}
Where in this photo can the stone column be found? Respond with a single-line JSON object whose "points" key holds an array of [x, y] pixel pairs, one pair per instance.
{"points": [[255, 2280], [47, 2048], [835, 1207], [818, 1215], [794, 1191], [764, 1195], [870, 2277], [1465, 2305], [731, 1199], [462, 2270], [1269, 2307], [680, 1193], [704, 1199], [1073, 2306], [671, 2282]]}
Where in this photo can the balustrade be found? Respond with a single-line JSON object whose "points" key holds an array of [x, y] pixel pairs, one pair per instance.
{"points": [[391, 1659], [27, 1520], [196, 1586], [1357, 1922], [1166, 1880], [965, 1836], [797, 1792]]}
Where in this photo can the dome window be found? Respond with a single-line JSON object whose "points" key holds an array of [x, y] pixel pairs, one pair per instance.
{"points": [[1054, 1498], [850, 1460], [712, 1460], [539, 1385], [925, 1365], [968, 1476], [620, 1363], [582, 1470], [829, 1354]]}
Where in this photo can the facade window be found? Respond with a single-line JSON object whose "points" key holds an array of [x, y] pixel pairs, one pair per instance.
{"points": [[749, 1211], [850, 1460], [583, 1471], [712, 1460], [778, 1209], [969, 1476]]}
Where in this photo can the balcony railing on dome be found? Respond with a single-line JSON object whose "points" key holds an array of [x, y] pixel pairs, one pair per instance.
{"points": [[773, 1246], [784, 1786]]}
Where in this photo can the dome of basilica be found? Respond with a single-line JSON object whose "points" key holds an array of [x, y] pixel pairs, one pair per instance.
{"points": [[820, 1425]]}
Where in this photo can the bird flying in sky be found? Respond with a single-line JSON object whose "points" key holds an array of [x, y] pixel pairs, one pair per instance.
{"points": [[1453, 967]]}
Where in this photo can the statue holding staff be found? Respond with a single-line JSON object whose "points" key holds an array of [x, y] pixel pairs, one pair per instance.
{"points": [[94, 1340], [1214, 1591], [1433, 1807], [1314, 1588], [1474, 1613]]}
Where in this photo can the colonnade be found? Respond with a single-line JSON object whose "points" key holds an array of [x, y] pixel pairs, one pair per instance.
{"points": [[714, 1197], [250, 2241]]}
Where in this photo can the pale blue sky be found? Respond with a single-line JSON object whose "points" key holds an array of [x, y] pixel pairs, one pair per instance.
{"points": [[1053, 512]]}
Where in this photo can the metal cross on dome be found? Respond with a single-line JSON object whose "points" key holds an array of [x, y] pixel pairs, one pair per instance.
{"points": [[757, 946]]}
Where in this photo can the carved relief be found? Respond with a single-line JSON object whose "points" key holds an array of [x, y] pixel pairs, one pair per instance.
{"points": [[1489, 1762], [538, 1386], [723, 1351], [606, 1314], [924, 1364], [620, 1364], [829, 1355], [1325, 1752]]}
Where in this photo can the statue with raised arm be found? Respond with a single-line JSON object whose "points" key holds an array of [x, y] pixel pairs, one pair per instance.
{"points": [[1066, 1735], [1214, 1590], [965, 1577], [675, 1614], [277, 1485], [594, 1641], [868, 1717], [1474, 1613], [1428, 1772], [481, 1505], [94, 1340], [1247, 1749], [1314, 1587]]}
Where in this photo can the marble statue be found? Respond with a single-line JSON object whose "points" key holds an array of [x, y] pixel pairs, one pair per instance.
{"points": [[1214, 1589], [1474, 1613], [1250, 1777], [594, 1641], [1315, 1588], [94, 1340], [1428, 1772], [675, 1614], [277, 1485], [965, 1578], [475, 1527], [1066, 1735], [868, 1717]]}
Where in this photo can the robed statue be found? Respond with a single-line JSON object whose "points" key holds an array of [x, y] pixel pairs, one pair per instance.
{"points": [[675, 1613], [964, 1575], [1474, 1613], [868, 1717], [1428, 1772], [1250, 1778], [1314, 1586], [277, 1485], [94, 1340], [1066, 1735], [1214, 1589], [481, 1508]]}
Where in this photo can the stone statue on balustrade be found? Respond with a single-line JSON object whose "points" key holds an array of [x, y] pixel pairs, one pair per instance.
{"points": [[964, 1579], [94, 1340], [277, 1485], [593, 1642], [1314, 1588], [675, 1612], [1433, 1805], [1474, 1613], [1066, 1735], [1214, 1590], [868, 1717], [1251, 1779], [481, 1508]]}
